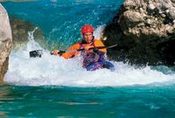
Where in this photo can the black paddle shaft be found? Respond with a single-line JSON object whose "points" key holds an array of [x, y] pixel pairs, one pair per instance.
{"points": [[100, 47], [36, 53]]}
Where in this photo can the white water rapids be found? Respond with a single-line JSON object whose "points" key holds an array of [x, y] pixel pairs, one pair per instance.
{"points": [[53, 70]]}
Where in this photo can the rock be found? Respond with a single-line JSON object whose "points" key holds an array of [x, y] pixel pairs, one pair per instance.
{"points": [[174, 21], [141, 28], [163, 15], [5, 41], [20, 31], [148, 21], [151, 7]]}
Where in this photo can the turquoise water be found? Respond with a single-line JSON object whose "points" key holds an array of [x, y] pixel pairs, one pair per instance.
{"points": [[120, 102], [53, 87], [61, 20]]}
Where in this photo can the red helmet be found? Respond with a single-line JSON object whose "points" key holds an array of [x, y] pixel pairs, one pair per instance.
{"points": [[87, 29]]}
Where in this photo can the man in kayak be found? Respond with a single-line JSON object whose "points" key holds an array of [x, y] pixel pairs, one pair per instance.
{"points": [[93, 58]]}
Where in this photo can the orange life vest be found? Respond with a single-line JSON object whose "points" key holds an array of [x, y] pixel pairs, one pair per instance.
{"points": [[71, 52]]}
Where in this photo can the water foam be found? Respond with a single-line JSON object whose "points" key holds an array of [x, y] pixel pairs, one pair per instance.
{"points": [[53, 70]]}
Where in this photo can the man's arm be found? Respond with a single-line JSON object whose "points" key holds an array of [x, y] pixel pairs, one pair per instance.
{"points": [[71, 51], [99, 43]]}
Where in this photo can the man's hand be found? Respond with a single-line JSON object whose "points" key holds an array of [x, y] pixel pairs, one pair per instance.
{"points": [[55, 52], [95, 50]]}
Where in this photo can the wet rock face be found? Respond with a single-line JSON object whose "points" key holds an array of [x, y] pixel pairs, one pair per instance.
{"points": [[143, 17], [5, 41], [144, 30], [20, 31]]}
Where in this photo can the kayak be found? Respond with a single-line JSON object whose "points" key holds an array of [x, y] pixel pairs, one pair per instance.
{"points": [[99, 65], [93, 61]]}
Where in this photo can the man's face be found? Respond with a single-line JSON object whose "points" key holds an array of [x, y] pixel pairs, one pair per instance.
{"points": [[88, 37]]}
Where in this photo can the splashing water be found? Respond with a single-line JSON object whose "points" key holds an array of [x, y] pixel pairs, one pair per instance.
{"points": [[53, 70], [131, 92]]}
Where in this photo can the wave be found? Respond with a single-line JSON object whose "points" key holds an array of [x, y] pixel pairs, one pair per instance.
{"points": [[53, 70]]}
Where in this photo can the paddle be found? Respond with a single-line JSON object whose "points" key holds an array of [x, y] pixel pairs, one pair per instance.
{"points": [[100, 47], [38, 53]]}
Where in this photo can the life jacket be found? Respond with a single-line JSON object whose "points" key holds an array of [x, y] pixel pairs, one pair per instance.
{"points": [[90, 57], [72, 50]]}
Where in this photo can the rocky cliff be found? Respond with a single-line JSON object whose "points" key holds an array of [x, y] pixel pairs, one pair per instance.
{"points": [[20, 31], [145, 32], [5, 41]]}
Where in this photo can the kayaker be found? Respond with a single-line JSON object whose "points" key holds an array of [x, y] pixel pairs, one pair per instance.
{"points": [[93, 58]]}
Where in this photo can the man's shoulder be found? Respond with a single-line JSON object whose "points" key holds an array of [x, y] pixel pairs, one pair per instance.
{"points": [[98, 40], [76, 45]]}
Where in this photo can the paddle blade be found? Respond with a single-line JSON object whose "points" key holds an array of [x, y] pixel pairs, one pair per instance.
{"points": [[36, 53]]}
